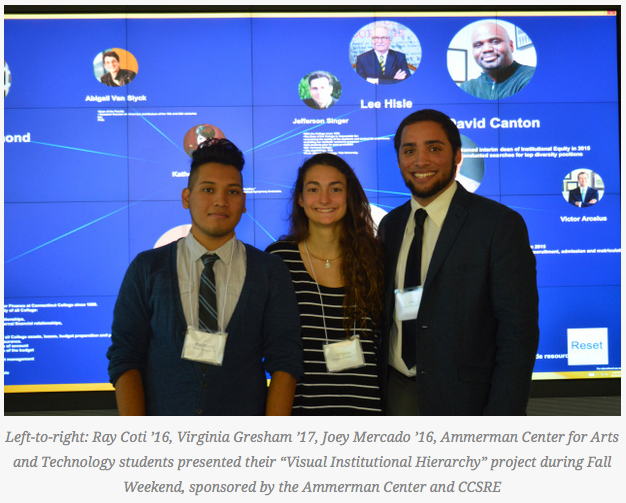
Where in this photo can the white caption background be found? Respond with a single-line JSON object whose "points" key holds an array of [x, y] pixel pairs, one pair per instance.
{"points": [[583, 455]]}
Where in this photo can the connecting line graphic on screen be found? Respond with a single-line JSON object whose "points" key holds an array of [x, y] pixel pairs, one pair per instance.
{"points": [[92, 151], [104, 216], [276, 140], [262, 228], [298, 152], [386, 192], [73, 231], [159, 131], [374, 191], [392, 192], [281, 185], [524, 208]]}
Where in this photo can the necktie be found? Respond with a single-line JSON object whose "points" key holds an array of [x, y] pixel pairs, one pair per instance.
{"points": [[382, 64], [207, 297], [412, 277]]}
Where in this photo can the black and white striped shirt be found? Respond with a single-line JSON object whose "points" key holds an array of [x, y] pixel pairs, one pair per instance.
{"points": [[349, 392]]}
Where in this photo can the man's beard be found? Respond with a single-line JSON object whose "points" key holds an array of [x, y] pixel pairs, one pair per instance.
{"points": [[426, 192]]}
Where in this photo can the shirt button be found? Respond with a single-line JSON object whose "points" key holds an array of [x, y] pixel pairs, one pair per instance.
{"points": [[199, 412]]}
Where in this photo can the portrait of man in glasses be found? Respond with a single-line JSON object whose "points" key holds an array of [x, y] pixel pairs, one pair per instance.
{"points": [[382, 65]]}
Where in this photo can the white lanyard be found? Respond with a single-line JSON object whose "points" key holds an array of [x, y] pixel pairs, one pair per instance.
{"points": [[320, 294]]}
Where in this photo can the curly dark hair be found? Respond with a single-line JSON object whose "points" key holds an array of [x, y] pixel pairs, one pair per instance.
{"points": [[362, 264]]}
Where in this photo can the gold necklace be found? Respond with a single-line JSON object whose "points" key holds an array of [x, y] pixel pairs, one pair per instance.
{"points": [[328, 261]]}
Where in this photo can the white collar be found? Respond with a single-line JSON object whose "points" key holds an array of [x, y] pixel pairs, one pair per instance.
{"points": [[196, 250], [437, 209]]}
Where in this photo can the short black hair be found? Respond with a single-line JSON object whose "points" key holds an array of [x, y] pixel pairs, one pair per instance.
{"points": [[110, 54], [452, 132], [321, 75], [218, 150]]}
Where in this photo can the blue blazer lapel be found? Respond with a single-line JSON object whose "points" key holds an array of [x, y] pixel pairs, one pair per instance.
{"points": [[378, 71], [457, 213], [390, 63]]}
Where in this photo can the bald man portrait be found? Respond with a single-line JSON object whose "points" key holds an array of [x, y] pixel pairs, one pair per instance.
{"points": [[502, 76]]}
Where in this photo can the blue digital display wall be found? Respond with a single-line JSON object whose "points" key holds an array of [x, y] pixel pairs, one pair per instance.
{"points": [[93, 173]]}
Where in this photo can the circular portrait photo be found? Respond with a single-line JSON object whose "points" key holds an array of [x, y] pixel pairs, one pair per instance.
{"points": [[491, 59], [583, 188], [115, 67], [319, 90], [385, 52], [197, 134], [7, 79], [172, 235], [471, 171]]}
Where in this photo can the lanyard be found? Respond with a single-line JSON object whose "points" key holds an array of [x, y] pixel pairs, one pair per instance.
{"points": [[320, 294]]}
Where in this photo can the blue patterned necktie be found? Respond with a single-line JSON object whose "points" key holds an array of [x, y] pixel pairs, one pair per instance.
{"points": [[207, 296]]}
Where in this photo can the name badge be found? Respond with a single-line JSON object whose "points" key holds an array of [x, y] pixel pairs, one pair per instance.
{"points": [[204, 347], [344, 355], [408, 302]]}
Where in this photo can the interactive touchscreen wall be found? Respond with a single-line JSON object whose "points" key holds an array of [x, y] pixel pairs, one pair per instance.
{"points": [[96, 154]]}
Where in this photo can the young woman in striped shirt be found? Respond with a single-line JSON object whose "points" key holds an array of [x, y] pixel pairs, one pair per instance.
{"points": [[336, 268]]}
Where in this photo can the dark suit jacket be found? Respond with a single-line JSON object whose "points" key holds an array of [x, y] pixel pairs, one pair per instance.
{"points": [[123, 77], [576, 196], [478, 328], [367, 65], [311, 103]]}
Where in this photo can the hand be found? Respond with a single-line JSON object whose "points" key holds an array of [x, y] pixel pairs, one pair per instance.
{"points": [[400, 75], [280, 394], [129, 393], [593, 201]]}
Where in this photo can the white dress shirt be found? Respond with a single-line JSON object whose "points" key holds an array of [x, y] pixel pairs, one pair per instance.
{"points": [[230, 274], [437, 211]]}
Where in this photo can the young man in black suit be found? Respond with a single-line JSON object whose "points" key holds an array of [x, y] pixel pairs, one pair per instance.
{"points": [[470, 344]]}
